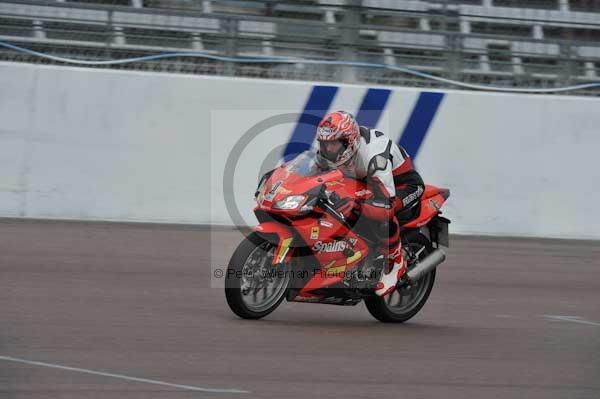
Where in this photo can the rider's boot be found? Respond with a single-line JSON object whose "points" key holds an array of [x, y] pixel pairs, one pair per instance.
{"points": [[392, 273]]}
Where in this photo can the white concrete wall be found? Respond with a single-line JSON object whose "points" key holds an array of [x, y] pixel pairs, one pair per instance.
{"points": [[111, 145]]}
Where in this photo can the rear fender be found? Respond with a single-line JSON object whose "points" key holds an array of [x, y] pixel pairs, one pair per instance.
{"points": [[279, 235], [439, 231]]}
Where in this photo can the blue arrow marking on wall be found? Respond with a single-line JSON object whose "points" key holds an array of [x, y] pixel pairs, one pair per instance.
{"points": [[419, 122], [370, 111], [372, 107], [304, 133]]}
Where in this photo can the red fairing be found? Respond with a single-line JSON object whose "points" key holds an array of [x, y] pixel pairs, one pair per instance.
{"points": [[308, 223], [284, 183], [376, 212], [284, 235], [432, 200], [328, 248], [273, 228]]}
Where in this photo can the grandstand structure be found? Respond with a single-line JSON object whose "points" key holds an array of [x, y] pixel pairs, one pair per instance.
{"points": [[509, 43]]}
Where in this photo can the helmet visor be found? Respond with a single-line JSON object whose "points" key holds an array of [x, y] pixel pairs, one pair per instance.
{"points": [[332, 150]]}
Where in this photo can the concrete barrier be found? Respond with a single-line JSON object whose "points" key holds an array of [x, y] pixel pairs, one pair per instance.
{"points": [[114, 145]]}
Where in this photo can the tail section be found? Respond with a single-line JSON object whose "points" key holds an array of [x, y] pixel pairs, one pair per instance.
{"points": [[431, 203]]}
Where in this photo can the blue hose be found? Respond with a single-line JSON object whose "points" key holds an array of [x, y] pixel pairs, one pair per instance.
{"points": [[287, 60]]}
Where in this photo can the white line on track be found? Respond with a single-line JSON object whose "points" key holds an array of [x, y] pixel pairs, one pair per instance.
{"points": [[120, 376], [573, 319]]}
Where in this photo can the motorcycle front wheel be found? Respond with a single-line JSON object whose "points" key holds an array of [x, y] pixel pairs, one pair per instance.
{"points": [[253, 286], [407, 301]]}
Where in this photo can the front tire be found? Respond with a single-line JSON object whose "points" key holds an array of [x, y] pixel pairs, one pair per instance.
{"points": [[250, 275], [406, 302]]}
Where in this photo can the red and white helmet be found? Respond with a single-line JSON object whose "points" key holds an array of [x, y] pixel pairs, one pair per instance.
{"points": [[338, 136]]}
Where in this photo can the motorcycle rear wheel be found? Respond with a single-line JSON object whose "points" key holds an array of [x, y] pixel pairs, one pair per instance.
{"points": [[406, 302], [246, 280]]}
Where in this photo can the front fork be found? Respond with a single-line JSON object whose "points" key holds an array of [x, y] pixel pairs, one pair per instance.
{"points": [[280, 236]]}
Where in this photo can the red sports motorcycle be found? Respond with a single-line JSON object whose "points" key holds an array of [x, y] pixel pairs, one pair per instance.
{"points": [[303, 250]]}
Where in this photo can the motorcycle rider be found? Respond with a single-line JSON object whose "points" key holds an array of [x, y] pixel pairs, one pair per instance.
{"points": [[365, 153]]}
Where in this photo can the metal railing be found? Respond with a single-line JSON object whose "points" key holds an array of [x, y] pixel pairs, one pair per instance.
{"points": [[471, 41]]}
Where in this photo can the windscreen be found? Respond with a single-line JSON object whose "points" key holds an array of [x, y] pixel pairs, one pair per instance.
{"points": [[306, 165]]}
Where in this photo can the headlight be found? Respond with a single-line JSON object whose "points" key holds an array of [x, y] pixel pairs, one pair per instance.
{"points": [[291, 202]]}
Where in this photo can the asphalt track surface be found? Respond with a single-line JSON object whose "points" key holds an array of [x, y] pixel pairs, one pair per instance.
{"points": [[508, 318]]}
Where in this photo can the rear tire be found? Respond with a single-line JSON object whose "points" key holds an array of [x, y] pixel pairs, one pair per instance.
{"points": [[382, 308], [234, 279]]}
